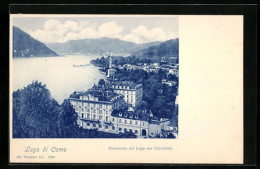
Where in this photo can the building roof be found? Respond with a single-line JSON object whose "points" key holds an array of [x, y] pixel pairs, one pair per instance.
{"points": [[101, 95], [135, 115], [143, 115], [125, 84]]}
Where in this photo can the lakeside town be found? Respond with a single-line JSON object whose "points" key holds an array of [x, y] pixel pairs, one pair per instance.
{"points": [[89, 82], [118, 104]]}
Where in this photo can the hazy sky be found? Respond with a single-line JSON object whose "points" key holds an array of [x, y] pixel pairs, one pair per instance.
{"points": [[138, 29]]}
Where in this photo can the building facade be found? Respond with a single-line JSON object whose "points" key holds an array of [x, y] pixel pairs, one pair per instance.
{"points": [[107, 111], [94, 108], [140, 122], [133, 93]]}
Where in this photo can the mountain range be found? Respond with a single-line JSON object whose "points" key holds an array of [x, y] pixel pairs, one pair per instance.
{"points": [[98, 46], [167, 50], [26, 46]]}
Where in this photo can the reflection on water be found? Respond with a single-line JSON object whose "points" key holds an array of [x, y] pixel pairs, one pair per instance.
{"points": [[62, 75]]}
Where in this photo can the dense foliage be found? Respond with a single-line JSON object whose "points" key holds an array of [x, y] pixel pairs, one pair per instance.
{"points": [[157, 97], [37, 115], [120, 60], [34, 112]]}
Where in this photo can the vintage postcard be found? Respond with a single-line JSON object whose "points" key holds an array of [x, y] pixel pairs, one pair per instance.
{"points": [[126, 89]]}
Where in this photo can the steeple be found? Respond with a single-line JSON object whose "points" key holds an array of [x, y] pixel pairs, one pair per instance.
{"points": [[111, 72], [110, 62]]}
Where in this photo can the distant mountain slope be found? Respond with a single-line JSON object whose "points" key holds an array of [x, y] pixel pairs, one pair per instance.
{"points": [[144, 46], [167, 50], [97, 46], [26, 46]]}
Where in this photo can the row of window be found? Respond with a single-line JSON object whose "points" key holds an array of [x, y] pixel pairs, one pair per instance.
{"points": [[121, 87], [131, 97], [91, 105], [100, 117], [125, 121], [125, 92], [125, 130], [95, 125], [113, 128], [98, 126], [91, 110], [129, 122]]}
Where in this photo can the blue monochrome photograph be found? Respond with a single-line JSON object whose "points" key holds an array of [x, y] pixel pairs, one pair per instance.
{"points": [[94, 76]]}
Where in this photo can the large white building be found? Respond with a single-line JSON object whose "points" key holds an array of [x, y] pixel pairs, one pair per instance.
{"points": [[107, 111], [133, 93], [94, 108]]}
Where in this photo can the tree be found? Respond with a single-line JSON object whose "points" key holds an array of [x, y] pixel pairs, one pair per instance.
{"points": [[101, 82], [16, 109], [172, 77], [170, 135], [67, 119], [162, 74], [34, 112]]}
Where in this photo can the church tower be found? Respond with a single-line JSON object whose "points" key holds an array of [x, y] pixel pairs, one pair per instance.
{"points": [[111, 72], [110, 62]]}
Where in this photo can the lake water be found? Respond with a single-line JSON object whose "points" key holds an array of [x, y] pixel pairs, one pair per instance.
{"points": [[58, 73]]}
